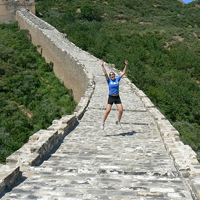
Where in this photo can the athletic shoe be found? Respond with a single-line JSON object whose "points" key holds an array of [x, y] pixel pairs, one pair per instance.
{"points": [[118, 124], [102, 126]]}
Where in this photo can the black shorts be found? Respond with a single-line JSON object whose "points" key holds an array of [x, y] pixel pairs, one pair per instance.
{"points": [[114, 99]]}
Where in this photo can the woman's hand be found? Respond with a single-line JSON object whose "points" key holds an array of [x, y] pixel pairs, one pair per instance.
{"points": [[103, 68], [124, 71], [101, 62]]}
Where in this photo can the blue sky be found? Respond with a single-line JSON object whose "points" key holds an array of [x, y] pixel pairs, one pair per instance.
{"points": [[187, 1]]}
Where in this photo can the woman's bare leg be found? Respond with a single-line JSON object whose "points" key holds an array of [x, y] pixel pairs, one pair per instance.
{"points": [[120, 109], [108, 108]]}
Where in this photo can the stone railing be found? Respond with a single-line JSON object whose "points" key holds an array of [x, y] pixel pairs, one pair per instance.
{"points": [[184, 158], [66, 68]]}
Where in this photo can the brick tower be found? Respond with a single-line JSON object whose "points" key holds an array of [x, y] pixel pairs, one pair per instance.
{"points": [[8, 8]]}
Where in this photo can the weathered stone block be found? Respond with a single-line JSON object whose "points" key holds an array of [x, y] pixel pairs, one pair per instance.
{"points": [[156, 113], [147, 102], [8, 176], [195, 184]]}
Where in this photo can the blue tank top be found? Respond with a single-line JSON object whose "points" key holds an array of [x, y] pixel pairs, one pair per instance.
{"points": [[113, 85]]}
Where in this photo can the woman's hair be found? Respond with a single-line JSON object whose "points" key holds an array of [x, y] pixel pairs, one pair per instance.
{"points": [[112, 73]]}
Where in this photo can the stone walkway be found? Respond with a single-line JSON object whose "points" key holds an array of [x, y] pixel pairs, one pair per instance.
{"points": [[129, 163], [90, 163]]}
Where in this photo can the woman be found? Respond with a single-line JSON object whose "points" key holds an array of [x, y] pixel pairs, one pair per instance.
{"points": [[114, 97]]}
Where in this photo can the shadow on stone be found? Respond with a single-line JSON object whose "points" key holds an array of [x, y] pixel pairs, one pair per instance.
{"points": [[123, 134], [9, 189], [58, 145]]}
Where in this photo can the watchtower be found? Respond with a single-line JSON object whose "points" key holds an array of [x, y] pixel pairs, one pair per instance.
{"points": [[8, 8]]}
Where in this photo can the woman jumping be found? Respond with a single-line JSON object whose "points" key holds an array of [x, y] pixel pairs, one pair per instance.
{"points": [[114, 97]]}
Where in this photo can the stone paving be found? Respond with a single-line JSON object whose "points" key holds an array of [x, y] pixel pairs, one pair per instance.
{"points": [[129, 163], [90, 163]]}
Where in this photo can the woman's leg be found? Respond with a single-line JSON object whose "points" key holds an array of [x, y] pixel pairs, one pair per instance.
{"points": [[120, 109], [108, 108]]}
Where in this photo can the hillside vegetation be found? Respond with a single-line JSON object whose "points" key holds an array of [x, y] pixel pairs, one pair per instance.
{"points": [[30, 94], [161, 40]]}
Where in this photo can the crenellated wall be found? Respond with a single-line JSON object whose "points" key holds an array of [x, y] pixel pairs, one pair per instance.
{"points": [[8, 8]]}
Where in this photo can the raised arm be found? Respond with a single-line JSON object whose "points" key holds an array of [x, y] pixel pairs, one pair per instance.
{"points": [[124, 71], [104, 70]]}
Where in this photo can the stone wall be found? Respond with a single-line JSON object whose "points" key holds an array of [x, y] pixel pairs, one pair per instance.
{"points": [[65, 67], [73, 74], [8, 8]]}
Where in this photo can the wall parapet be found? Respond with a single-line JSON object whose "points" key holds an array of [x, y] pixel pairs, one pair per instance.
{"points": [[184, 158], [53, 47], [73, 74]]}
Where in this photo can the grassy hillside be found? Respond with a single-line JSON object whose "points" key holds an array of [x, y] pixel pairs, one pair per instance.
{"points": [[30, 94], [161, 40]]}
